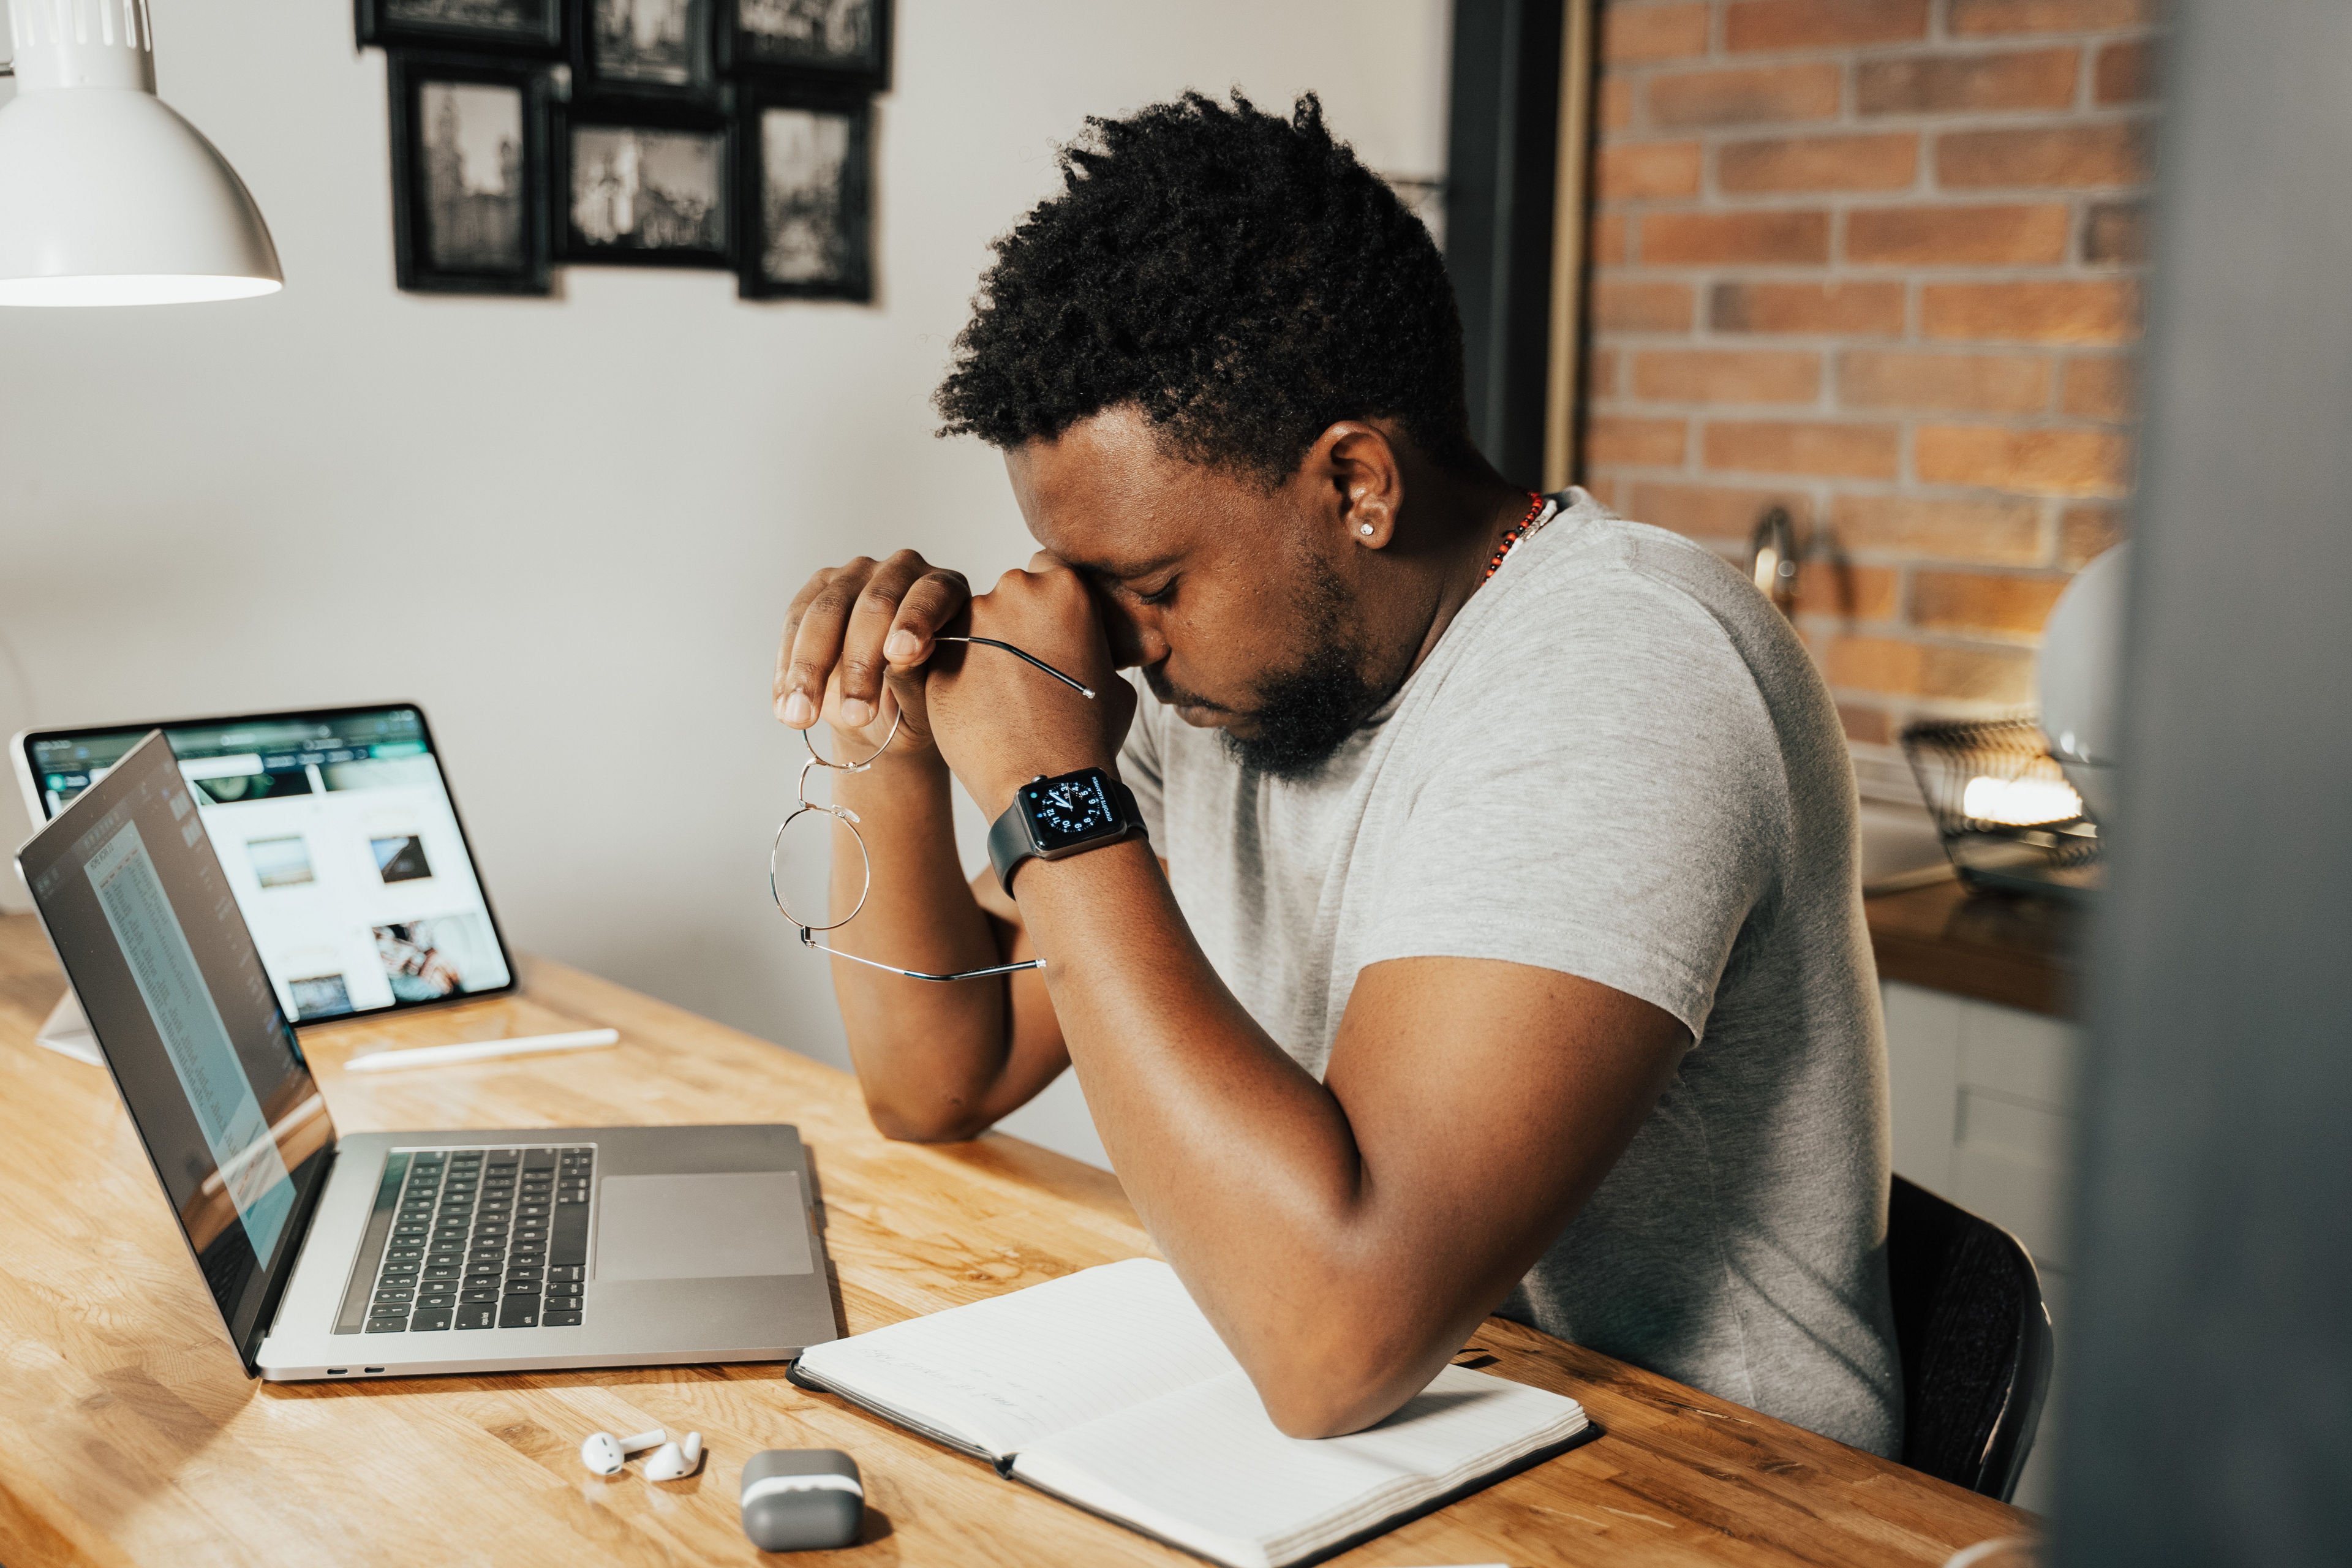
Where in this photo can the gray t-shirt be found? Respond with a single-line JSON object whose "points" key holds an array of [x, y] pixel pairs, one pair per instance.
{"points": [[1619, 762]]}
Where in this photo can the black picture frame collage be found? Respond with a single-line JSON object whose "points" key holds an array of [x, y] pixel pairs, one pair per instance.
{"points": [[729, 135]]}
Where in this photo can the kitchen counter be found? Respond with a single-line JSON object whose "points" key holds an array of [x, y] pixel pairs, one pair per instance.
{"points": [[2018, 951]]}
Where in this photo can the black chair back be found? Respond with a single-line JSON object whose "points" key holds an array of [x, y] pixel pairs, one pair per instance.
{"points": [[1974, 1339]]}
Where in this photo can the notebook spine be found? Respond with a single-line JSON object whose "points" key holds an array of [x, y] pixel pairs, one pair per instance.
{"points": [[800, 1377]]}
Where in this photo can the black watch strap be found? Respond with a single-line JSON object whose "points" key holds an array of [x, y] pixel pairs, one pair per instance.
{"points": [[1010, 842], [1009, 845]]}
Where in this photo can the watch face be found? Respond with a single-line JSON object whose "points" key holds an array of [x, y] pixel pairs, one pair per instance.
{"points": [[1070, 811]]}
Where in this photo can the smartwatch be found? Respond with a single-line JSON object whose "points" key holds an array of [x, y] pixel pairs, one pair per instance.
{"points": [[1068, 814]]}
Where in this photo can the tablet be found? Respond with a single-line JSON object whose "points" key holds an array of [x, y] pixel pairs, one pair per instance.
{"points": [[339, 840]]}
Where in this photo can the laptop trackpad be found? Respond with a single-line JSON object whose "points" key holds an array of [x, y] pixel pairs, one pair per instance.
{"points": [[701, 1227]]}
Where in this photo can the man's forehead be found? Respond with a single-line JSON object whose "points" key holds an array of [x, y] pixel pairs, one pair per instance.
{"points": [[1110, 547], [1122, 568], [1106, 499]]}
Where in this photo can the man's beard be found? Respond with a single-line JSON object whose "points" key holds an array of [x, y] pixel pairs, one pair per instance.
{"points": [[1306, 713]]}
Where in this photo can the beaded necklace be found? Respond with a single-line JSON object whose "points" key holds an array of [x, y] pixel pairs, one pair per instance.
{"points": [[1516, 531]]}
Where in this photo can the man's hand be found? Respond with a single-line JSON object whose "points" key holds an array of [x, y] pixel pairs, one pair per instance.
{"points": [[858, 632], [934, 1061], [1000, 721]]}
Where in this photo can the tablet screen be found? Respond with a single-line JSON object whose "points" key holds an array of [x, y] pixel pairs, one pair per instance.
{"points": [[337, 835]]}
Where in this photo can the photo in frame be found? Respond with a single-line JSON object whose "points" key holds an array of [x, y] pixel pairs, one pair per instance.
{"points": [[645, 186], [469, 173], [806, 196], [522, 26], [659, 48], [845, 43]]}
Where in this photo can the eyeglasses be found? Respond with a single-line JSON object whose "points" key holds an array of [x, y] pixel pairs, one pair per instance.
{"points": [[848, 818]]}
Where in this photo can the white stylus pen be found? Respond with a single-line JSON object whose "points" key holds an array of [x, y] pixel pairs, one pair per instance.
{"points": [[482, 1050]]}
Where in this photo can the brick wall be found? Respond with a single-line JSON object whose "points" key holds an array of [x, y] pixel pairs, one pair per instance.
{"points": [[1879, 261]]}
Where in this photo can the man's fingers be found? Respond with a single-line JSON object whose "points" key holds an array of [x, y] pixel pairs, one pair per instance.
{"points": [[799, 608], [933, 600], [815, 643], [863, 663], [848, 626]]}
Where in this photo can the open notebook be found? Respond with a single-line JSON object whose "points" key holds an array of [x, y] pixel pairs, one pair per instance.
{"points": [[1110, 1390]]}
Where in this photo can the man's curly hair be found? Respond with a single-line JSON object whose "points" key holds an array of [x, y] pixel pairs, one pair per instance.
{"points": [[1243, 280]]}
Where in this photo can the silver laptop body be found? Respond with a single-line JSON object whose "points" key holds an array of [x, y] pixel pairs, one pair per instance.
{"points": [[388, 1254]]}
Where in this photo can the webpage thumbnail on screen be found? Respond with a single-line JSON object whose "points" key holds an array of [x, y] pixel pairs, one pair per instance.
{"points": [[338, 838]]}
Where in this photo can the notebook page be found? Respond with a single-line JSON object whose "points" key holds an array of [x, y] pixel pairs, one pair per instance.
{"points": [[1204, 1468], [1001, 1374]]}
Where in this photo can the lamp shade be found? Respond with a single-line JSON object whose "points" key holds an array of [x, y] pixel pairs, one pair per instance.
{"points": [[2080, 674], [107, 196]]}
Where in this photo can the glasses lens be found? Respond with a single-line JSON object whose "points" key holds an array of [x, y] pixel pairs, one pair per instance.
{"points": [[803, 874]]}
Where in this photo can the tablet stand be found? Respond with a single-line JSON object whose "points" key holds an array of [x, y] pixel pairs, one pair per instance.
{"points": [[66, 1031]]}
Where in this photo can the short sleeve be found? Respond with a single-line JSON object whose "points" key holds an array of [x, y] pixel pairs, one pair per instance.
{"points": [[1603, 795]]}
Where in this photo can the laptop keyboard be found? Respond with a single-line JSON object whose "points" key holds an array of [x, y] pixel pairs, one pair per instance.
{"points": [[481, 1238]]}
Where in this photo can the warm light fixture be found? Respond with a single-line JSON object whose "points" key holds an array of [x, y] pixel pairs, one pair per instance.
{"points": [[108, 197], [2021, 803]]}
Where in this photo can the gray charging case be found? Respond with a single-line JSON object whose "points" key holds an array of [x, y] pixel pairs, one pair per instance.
{"points": [[812, 1497]]}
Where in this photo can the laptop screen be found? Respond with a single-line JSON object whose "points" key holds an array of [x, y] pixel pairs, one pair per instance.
{"points": [[142, 916], [340, 841]]}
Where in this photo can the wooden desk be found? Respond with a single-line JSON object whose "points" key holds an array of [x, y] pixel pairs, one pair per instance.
{"points": [[2019, 951], [131, 1434]]}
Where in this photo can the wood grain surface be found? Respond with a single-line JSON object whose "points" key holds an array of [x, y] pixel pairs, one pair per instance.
{"points": [[2017, 950], [129, 1433]]}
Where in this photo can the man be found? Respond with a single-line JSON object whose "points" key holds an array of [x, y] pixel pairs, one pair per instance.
{"points": [[1496, 943]]}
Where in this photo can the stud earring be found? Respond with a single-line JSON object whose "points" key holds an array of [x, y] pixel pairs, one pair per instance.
{"points": [[1364, 528]]}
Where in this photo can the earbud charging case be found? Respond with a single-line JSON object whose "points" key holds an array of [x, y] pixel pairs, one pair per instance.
{"points": [[797, 1500]]}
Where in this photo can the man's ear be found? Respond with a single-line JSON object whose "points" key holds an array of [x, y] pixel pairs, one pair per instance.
{"points": [[1362, 480]]}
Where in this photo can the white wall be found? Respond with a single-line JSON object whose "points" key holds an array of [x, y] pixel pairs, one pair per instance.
{"points": [[570, 527]]}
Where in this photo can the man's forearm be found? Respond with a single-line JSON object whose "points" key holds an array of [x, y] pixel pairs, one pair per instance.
{"points": [[927, 1053], [1245, 1168]]}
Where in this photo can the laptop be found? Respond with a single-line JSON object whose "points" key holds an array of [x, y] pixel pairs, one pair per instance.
{"points": [[340, 843], [389, 1254]]}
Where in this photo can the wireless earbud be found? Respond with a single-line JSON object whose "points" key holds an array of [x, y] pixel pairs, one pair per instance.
{"points": [[675, 1461], [603, 1453]]}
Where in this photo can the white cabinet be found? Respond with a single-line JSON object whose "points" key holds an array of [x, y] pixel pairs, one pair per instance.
{"points": [[2009, 1165], [1984, 1108], [1984, 1114]]}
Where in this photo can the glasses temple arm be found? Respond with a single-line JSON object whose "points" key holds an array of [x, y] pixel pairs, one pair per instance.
{"points": [[1082, 691], [808, 940]]}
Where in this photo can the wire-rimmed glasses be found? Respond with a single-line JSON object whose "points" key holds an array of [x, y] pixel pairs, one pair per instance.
{"points": [[810, 930]]}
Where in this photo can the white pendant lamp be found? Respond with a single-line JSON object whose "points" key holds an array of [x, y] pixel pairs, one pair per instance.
{"points": [[108, 197]]}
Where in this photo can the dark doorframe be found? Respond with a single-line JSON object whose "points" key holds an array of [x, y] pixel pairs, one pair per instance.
{"points": [[1517, 145]]}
